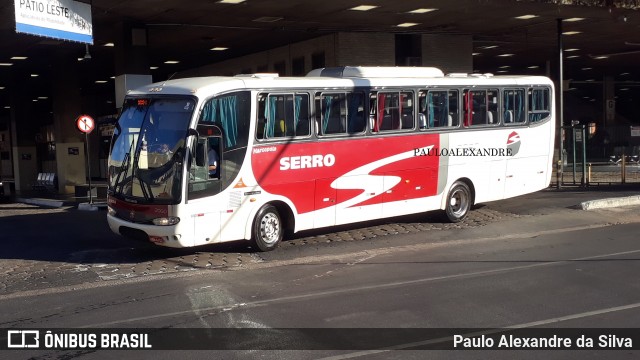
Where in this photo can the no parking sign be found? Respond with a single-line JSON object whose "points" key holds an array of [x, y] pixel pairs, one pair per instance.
{"points": [[85, 123]]}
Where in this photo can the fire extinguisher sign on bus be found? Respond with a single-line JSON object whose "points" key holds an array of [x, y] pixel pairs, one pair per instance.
{"points": [[85, 123]]}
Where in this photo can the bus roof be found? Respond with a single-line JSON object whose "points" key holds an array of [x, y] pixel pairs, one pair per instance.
{"points": [[335, 78]]}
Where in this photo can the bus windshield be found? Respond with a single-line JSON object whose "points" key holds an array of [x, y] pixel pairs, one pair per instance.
{"points": [[148, 149]]}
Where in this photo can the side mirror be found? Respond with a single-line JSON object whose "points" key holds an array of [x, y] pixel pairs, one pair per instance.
{"points": [[201, 153]]}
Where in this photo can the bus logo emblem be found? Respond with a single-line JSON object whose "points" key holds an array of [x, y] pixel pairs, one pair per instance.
{"points": [[513, 143], [132, 214]]}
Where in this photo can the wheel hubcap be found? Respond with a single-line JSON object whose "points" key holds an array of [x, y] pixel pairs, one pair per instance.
{"points": [[270, 228], [458, 203]]}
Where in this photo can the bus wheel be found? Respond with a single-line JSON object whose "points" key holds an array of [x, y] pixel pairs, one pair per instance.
{"points": [[458, 201], [267, 229]]}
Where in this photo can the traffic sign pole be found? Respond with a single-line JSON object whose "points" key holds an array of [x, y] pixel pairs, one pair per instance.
{"points": [[86, 138], [85, 123]]}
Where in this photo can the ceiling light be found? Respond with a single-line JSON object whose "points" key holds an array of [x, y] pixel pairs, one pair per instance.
{"points": [[153, 67], [34, 75], [1, 87], [586, 68], [571, 32], [219, 48], [624, 89], [590, 80], [600, 57], [43, 97], [570, 50], [505, 67], [110, 44], [19, 58], [489, 47], [505, 55], [364, 7], [35, 100], [574, 19], [171, 62], [502, 71], [407, 24], [624, 73], [101, 81], [533, 67], [7, 107], [231, 1], [6, 64], [573, 56], [421, 11], [526, 17], [80, 59], [475, 54]]}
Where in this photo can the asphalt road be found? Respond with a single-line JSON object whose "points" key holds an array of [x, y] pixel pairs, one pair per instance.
{"points": [[530, 263]]}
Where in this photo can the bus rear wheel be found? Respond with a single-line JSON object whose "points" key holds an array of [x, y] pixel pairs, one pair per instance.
{"points": [[458, 202], [267, 229]]}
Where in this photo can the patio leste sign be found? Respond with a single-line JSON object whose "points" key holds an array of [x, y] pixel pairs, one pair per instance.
{"points": [[59, 19]]}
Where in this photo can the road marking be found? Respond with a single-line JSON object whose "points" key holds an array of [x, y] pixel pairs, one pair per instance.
{"points": [[213, 310], [488, 332]]}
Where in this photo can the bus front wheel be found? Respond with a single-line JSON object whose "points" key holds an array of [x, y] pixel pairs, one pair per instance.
{"points": [[458, 201], [267, 229]]}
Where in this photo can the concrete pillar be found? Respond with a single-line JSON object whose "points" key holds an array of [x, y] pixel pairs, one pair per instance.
{"points": [[23, 125], [609, 103], [131, 49], [67, 107], [131, 59], [449, 53], [365, 49]]}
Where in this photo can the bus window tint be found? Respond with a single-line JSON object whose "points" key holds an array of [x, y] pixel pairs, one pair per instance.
{"points": [[340, 113], [480, 107], [513, 106], [539, 105], [438, 109], [393, 111], [355, 113], [283, 115], [230, 112]]}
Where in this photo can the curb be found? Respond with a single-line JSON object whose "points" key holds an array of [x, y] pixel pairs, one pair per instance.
{"points": [[610, 202], [92, 207], [41, 202]]}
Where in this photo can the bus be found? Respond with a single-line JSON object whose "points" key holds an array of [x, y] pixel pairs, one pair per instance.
{"points": [[206, 160]]}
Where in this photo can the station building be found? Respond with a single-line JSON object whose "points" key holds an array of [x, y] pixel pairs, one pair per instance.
{"points": [[48, 78]]}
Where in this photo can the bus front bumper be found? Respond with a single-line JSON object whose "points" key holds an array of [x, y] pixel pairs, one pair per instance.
{"points": [[169, 236]]}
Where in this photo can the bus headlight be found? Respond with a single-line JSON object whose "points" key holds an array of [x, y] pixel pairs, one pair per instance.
{"points": [[166, 221], [111, 211]]}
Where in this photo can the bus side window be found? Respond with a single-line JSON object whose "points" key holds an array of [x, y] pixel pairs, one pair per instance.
{"points": [[453, 116], [492, 107], [422, 112], [406, 114], [301, 114], [261, 118], [539, 107], [333, 114], [355, 113], [513, 106]]}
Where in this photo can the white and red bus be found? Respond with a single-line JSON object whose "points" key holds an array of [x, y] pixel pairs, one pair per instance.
{"points": [[205, 160]]}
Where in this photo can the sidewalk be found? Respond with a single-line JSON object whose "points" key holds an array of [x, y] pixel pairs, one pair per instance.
{"points": [[55, 200]]}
